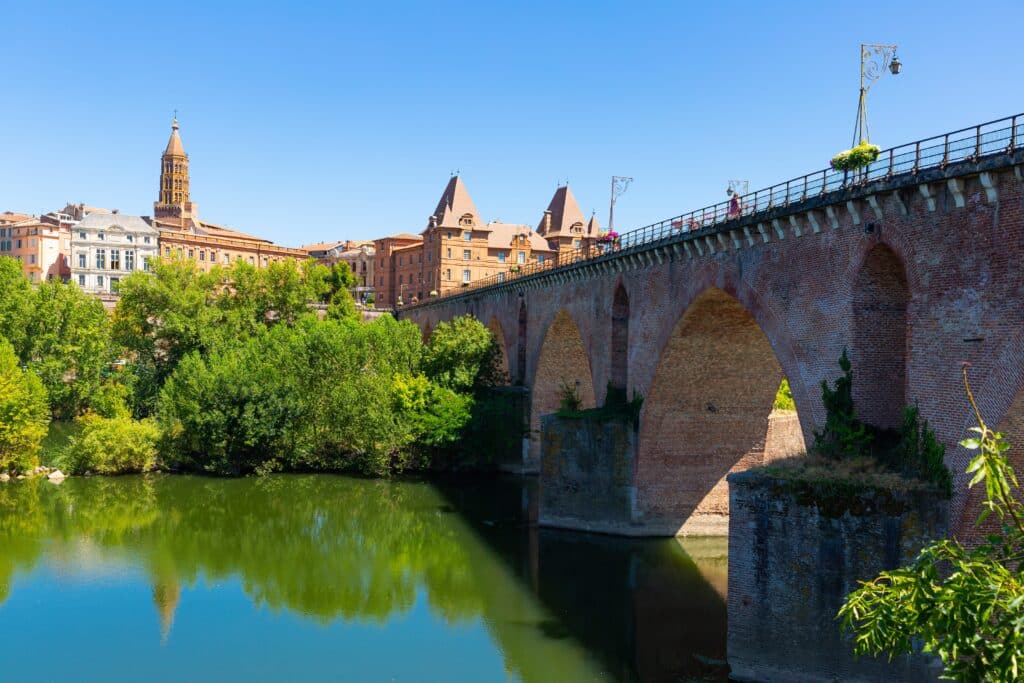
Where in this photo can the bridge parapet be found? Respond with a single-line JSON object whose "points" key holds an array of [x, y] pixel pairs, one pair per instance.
{"points": [[807, 204]]}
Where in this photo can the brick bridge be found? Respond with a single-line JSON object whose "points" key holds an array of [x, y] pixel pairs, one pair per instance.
{"points": [[914, 266]]}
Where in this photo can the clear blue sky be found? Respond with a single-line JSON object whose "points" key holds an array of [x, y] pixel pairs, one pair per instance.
{"points": [[307, 122]]}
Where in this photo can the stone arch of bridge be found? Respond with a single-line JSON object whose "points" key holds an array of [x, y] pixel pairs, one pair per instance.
{"points": [[709, 411], [562, 362]]}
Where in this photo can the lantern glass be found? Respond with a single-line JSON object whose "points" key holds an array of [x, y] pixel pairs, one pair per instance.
{"points": [[895, 66]]}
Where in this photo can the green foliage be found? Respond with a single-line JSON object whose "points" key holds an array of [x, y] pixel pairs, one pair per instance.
{"points": [[784, 397], [321, 395], [918, 454], [966, 606], [370, 299], [569, 400], [15, 302], [118, 445], [111, 399], [862, 155], [24, 414], [463, 355], [177, 309], [844, 436], [343, 307]]}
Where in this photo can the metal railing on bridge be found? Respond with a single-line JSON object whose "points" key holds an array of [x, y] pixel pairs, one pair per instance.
{"points": [[1002, 136]]}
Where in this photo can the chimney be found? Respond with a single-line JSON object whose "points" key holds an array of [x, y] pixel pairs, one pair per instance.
{"points": [[546, 223]]}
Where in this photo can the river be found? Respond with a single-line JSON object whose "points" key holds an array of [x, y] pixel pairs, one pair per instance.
{"points": [[303, 578]]}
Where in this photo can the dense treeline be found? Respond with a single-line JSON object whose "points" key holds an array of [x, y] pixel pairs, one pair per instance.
{"points": [[232, 371]]}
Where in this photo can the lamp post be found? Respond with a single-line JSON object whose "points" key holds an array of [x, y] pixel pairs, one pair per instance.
{"points": [[874, 60], [619, 185]]}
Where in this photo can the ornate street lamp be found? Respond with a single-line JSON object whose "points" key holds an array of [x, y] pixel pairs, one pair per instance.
{"points": [[874, 60], [619, 185]]}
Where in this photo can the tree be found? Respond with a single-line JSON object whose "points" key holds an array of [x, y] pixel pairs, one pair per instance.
{"points": [[67, 344], [966, 606], [118, 445], [463, 355], [24, 413], [15, 302]]}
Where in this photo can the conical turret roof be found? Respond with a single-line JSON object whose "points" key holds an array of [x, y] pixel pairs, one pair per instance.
{"points": [[455, 203], [565, 213]]}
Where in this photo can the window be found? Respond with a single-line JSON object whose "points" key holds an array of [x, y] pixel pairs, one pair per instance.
{"points": [[401, 279], [145, 240], [202, 254], [521, 257], [466, 254], [449, 255], [449, 236], [179, 252], [31, 277], [465, 275], [129, 260], [81, 281], [501, 257], [265, 261], [540, 258], [191, 253], [448, 274], [114, 282], [115, 259], [167, 252], [99, 281], [401, 260], [145, 264], [467, 235], [81, 234], [252, 261], [101, 258], [101, 236], [81, 260], [130, 238], [430, 255], [227, 259], [421, 257], [31, 258], [32, 242], [17, 243], [576, 244]]}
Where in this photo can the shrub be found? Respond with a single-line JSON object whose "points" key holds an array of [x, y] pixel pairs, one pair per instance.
{"points": [[24, 413], [118, 445], [844, 436], [463, 355]]}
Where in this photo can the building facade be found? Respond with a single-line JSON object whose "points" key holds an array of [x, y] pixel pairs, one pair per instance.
{"points": [[458, 248], [106, 247], [41, 247], [184, 235]]}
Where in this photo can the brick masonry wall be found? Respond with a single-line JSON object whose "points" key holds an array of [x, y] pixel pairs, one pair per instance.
{"points": [[587, 473], [790, 566], [964, 282]]}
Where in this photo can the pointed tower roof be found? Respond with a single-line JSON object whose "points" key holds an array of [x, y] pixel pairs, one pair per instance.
{"points": [[565, 213], [174, 146], [593, 227], [454, 204]]}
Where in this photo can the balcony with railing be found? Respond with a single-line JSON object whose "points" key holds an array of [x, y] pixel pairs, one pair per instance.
{"points": [[1000, 137]]}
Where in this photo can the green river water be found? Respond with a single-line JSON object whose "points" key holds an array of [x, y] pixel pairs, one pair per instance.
{"points": [[330, 578]]}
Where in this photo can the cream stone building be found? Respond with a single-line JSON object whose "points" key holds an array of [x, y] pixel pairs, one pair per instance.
{"points": [[106, 247]]}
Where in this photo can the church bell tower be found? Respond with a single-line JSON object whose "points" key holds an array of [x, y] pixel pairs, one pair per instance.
{"points": [[173, 201]]}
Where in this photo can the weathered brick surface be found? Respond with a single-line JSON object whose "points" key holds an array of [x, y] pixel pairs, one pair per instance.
{"points": [[587, 473], [790, 566], [964, 285]]}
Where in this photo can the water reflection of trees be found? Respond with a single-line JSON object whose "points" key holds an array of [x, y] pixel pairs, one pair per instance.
{"points": [[326, 547]]}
